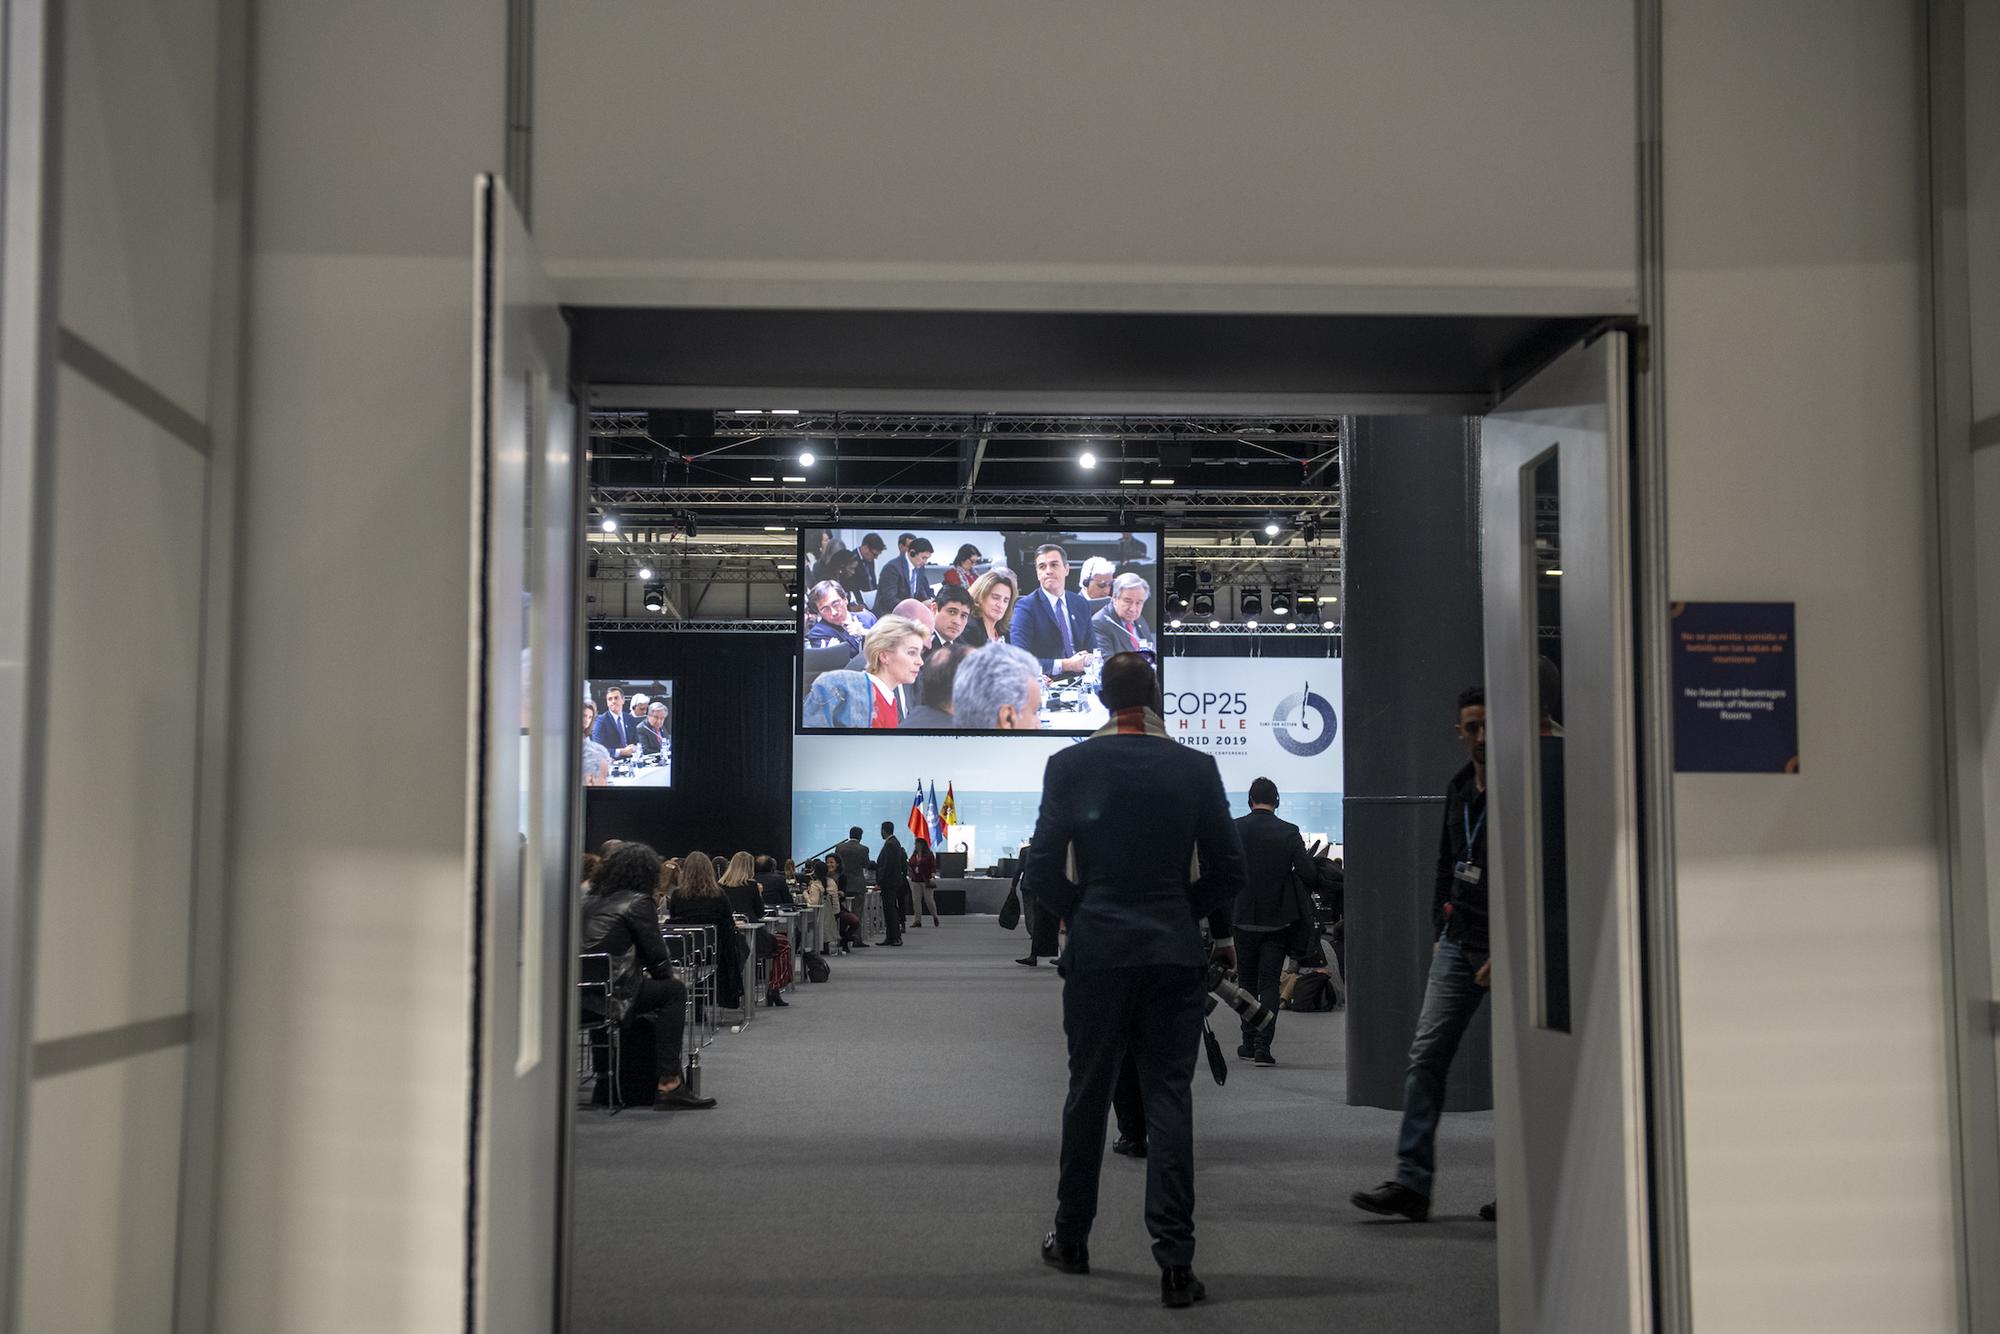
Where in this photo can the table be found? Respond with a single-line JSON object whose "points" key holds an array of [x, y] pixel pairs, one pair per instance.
{"points": [[983, 894], [872, 921]]}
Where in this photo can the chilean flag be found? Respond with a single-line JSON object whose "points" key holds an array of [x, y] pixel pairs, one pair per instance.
{"points": [[917, 825]]}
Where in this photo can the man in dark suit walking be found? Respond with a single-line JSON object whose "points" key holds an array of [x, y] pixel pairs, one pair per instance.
{"points": [[892, 877], [1053, 623], [1275, 897], [853, 867], [1133, 846]]}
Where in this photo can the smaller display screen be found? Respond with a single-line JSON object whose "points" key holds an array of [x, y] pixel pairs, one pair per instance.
{"points": [[628, 733]]}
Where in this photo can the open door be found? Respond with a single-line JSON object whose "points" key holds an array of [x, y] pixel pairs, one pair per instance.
{"points": [[1569, 1100], [522, 754]]}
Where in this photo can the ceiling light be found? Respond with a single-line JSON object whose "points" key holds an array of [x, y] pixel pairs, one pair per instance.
{"points": [[1184, 581], [787, 565], [748, 412], [805, 458], [597, 648], [1281, 604], [610, 525], [1203, 604], [1304, 598], [1215, 625], [656, 597], [645, 572], [1271, 529], [1555, 573], [1131, 481], [774, 528], [1175, 623], [784, 412], [1161, 481], [1250, 602], [1326, 625], [1087, 459], [690, 525], [763, 479], [1250, 624], [794, 479]]}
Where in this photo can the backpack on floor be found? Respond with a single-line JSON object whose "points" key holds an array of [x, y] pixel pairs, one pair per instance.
{"points": [[1310, 992], [816, 968]]}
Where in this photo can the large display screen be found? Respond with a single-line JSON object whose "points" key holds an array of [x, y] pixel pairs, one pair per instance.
{"points": [[971, 630], [628, 733]]}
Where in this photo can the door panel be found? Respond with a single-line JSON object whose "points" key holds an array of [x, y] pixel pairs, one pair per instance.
{"points": [[523, 756], [1568, 1082]]}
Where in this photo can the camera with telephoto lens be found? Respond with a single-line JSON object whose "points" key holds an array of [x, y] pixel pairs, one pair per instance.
{"points": [[1245, 1003]]}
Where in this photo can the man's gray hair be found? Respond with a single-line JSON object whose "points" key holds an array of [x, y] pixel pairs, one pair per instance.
{"points": [[1129, 580], [995, 675]]}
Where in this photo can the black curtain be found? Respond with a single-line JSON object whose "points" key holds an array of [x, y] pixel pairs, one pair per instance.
{"points": [[733, 711]]}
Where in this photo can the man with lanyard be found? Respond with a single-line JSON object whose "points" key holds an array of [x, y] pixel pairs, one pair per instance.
{"points": [[1461, 973]]}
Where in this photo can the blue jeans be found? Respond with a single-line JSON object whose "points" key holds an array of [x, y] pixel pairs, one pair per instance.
{"points": [[1451, 999]]}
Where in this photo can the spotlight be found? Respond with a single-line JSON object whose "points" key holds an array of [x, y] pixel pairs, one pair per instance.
{"points": [[1184, 582], [656, 597], [1281, 604], [1214, 624], [645, 572], [1271, 529], [805, 458], [610, 524], [593, 565], [597, 648], [1175, 602], [1326, 625], [1087, 459], [1203, 604], [1250, 602], [1250, 624], [1175, 623], [690, 526], [1310, 532]]}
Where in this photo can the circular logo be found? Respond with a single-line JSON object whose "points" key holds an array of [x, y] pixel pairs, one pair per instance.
{"points": [[1304, 723]]}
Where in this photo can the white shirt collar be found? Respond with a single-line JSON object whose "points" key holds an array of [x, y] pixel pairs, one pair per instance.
{"points": [[1055, 600], [886, 692]]}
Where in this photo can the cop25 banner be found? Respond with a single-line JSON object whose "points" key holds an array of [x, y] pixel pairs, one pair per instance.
{"points": [[1276, 718]]}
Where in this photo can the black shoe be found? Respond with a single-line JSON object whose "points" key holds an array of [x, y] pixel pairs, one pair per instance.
{"points": [[1179, 1286], [1489, 1211], [1263, 1058], [772, 997], [916, 926], [1245, 1050], [1070, 1257], [1130, 1148], [891, 942], [860, 944], [1393, 1197], [1031, 961], [681, 1099]]}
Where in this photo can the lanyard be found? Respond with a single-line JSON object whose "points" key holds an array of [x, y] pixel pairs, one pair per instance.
{"points": [[1471, 829]]}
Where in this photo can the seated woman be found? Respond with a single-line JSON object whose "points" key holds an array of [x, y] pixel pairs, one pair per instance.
{"points": [[824, 888], [739, 886], [698, 901], [746, 897], [617, 920], [877, 697], [993, 596]]}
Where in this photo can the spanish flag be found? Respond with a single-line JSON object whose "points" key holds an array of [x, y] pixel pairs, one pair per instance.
{"points": [[947, 813]]}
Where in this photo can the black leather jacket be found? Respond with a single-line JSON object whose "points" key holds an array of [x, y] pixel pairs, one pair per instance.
{"points": [[626, 927]]}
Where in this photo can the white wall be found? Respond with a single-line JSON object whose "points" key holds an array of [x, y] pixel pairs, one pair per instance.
{"points": [[343, 1190], [138, 450], [1119, 155], [1819, 1189]]}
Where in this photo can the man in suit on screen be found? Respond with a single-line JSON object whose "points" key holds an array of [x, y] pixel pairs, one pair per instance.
{"points": [[1053, 622], [1133, 846], [907, 576], [614, 730]]}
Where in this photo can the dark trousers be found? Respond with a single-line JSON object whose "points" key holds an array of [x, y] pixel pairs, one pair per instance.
{"points": [[892, 912], [1044, 939], [1260, 958], [665, 998], [1154, 1011]]}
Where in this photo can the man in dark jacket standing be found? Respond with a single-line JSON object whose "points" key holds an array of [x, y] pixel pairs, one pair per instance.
{"points": [[1461, 973], [1273, 900], [1133, 846], [892, 877], [619, 919]]}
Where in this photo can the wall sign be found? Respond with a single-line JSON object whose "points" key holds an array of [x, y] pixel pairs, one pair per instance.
{"points": [[1736, 706]]}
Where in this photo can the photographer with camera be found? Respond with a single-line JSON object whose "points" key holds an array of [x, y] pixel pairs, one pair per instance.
{"points": [[1133, 846], [1273, 911]]}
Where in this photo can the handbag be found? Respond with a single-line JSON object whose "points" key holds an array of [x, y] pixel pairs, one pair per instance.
{"points": [[1010, 911]]}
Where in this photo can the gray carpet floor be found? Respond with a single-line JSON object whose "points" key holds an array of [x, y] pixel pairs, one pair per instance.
{"points": [[884, 1157]]}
